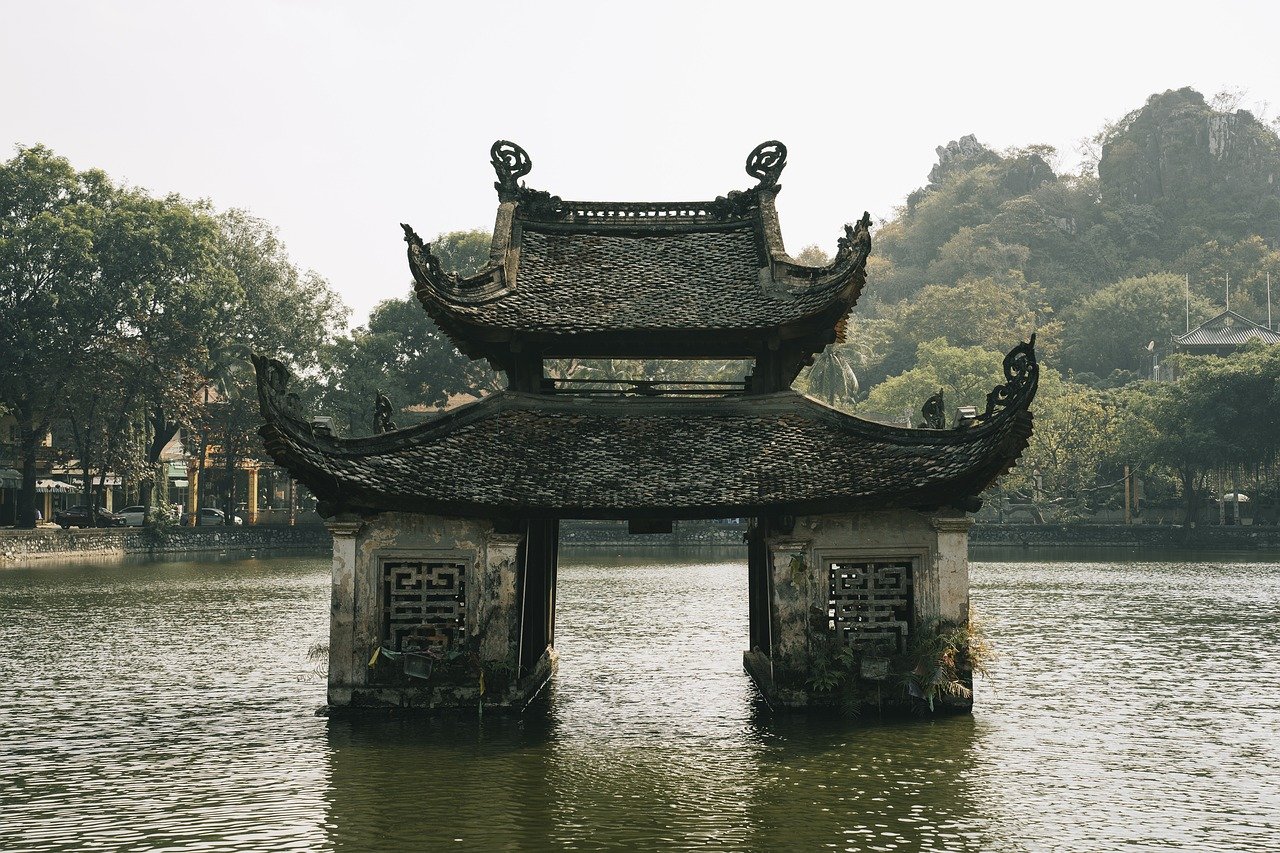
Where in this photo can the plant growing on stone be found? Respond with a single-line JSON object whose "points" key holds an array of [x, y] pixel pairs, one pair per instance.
{"points": [[940, 659], [833, 667]]}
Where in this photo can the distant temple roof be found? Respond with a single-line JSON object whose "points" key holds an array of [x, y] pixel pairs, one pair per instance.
{"points": [[518, 454], [623, 279], [1226, 330]]}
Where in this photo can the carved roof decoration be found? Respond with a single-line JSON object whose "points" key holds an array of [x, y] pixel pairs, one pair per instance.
{"points": [[631, 273], [525, 454]]}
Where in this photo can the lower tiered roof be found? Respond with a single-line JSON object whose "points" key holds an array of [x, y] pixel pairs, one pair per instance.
{"points": [[518, 454]]}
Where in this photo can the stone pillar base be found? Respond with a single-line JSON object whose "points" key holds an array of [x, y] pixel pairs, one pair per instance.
{"points": [[426, 614], [444, 692], [866, 611]]}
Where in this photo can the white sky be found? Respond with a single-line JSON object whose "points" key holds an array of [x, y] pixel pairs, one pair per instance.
{"points": [[337, 121]]}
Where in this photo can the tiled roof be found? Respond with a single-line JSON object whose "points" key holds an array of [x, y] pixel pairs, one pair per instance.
{"points": [[1228, 329], [592, 282], [559, 269], [516, 453]]}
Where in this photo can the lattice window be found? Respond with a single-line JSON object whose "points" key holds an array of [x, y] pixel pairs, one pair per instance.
{"points": [[869, 603], [425, 604]]}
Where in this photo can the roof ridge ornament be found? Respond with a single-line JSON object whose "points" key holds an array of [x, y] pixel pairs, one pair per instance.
{"points": [[856, 239], [934, 411], [510, 162], [1022, 373], [273, 387], [766, 162]]}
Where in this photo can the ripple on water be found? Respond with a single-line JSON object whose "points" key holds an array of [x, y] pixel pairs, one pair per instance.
{"points": [[169, 706]]}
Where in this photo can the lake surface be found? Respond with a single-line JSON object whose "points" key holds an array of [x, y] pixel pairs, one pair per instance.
{"points": [[170, 706]]}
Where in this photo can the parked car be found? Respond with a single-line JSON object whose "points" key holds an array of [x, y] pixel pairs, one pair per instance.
{"points": [[215, 516], [134, 516], [78, 516]]}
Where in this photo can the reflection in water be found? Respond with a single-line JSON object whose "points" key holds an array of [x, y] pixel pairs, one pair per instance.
{"points": [[170, 706]]}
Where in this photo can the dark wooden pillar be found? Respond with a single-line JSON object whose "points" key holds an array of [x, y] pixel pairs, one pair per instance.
{"points": [[758, 606], [537, 555], [524, 372], [553, 561]]}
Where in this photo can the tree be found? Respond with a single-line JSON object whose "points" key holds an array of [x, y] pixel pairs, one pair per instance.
{"points": [[1223, 413], [402, 353], [462, 252], [831, 377], [274, 309], [990, 313], [161, 257], [50, 293], [1065, 471], [965, 375], [1111, 329]]}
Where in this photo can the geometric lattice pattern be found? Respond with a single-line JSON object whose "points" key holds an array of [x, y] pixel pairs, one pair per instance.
{"points": [[425, 604], [869, 603]]}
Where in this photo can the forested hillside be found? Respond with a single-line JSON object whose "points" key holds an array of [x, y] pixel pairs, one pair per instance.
{"points": [[1180, 190], [999, 244]]}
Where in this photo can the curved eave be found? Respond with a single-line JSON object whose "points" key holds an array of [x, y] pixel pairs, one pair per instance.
{"points": [[771, 454]]}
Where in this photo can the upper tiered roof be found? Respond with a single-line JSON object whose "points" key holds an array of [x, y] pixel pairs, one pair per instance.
{"points": [[624, 279]]}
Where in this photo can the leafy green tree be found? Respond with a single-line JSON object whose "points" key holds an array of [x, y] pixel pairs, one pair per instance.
{"points": [[51, 293], [160, 256], [279, 310], [1112, 328], [990, 313], [403, 354], [965, 375], [462, 252], [1245, 264], [1222, 414], [1065, 472], [274, 309], [831, 377]]}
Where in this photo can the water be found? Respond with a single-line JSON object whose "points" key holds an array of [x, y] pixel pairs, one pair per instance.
{"points": [[1135, 705]]}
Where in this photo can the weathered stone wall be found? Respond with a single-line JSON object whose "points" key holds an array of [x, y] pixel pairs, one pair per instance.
{"points": [[492, 614], [23, 547], [800, 587]]}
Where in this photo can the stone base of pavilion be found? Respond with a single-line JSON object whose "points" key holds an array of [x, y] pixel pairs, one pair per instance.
{"points": [[433, 612], [413, 697], [845, 609]]}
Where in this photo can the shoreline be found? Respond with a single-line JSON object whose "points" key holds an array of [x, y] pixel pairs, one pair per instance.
{"points": [[23, 548]]}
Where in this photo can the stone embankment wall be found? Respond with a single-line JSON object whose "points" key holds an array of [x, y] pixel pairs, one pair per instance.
{"points": [[689, 533], [20, 547], [1247, 538]]}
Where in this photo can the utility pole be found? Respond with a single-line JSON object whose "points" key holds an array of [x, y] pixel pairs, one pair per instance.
{"points": [[1188, 299], [1127, 516], [1228, 291], [1269, 326]]}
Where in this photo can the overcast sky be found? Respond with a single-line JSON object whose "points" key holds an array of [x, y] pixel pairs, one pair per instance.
{"points": [[336, 121]]}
